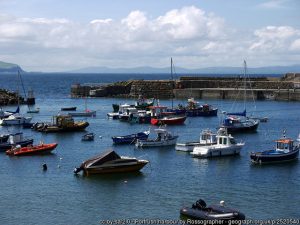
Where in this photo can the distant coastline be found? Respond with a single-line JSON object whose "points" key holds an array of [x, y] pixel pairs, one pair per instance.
{"points": [[11, 68]]}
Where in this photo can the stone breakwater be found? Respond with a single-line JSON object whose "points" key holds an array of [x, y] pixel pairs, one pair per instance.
{"points": [[10, 98], [286, 87]]}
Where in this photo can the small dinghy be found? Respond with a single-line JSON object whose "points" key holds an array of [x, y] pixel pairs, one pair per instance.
{"points": [[88, 137], [37, 110], [199, 211], [31, 149], [130, 139]]}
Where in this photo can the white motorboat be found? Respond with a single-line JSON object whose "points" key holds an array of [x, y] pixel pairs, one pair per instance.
{"points": [[15, 119], [164, 138], [226, 145], [207, 137]]}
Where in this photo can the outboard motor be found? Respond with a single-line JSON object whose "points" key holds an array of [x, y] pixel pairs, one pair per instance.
{"points": [[77, 169]]}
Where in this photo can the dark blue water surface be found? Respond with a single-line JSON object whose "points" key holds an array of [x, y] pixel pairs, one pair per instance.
{"points": [[171, 180]]}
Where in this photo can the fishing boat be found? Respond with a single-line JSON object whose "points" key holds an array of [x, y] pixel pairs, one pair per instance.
{"points": [[61, 123], [160, 116], [127, 113], [285, 150], [143, 104], [88, 137], [130, 139], [199, 211], [68, 108], [31, 149], [15, 119], [207, 137], [226, 145], [14, 140], [194, 109], [164, 138], [142, 116], [110, 162]]}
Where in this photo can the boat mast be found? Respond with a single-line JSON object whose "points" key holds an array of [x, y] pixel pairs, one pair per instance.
{"points": [[245, 69], [172, 80]]}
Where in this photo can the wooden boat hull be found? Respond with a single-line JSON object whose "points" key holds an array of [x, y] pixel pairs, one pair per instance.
{"points": [[260, 158], [168, 120], [33, 150], [116, 169]]}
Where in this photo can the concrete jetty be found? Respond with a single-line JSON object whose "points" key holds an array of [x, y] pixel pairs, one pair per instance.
{"points": [[286, 88]]}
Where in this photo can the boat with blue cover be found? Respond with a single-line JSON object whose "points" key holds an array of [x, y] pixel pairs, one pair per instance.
{"points": [[130, 139], [285, 150]]}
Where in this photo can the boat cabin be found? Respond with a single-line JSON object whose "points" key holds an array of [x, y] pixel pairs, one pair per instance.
{"points": [[158, 110], [162, 134], [284, 144], [14, 138], [123, 108], [207, 137], [63, 120], [224, 139]]}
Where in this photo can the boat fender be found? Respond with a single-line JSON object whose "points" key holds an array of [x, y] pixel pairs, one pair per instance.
{"points": [[45, 167]]}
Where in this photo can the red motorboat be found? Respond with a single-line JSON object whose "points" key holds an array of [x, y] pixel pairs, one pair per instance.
{"points": [[169, 120], [32, 150]]}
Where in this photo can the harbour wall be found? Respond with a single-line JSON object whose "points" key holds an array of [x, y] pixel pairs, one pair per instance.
{"points": [[285, 88]]}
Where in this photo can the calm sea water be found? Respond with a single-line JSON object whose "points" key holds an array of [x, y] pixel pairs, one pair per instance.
{"points": [[171, 180]]}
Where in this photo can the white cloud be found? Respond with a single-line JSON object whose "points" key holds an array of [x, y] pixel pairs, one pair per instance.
{"points": [[273, 4], [193, 37], [274, 39]]}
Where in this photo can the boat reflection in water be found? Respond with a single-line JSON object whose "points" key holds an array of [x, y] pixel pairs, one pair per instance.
{"points": [[110, 162]]}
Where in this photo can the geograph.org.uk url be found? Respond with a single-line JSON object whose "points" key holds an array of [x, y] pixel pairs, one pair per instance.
{"points": [[204, 222]]}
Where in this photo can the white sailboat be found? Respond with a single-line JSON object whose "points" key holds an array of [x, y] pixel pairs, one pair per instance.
{"points": [[16, 118]]}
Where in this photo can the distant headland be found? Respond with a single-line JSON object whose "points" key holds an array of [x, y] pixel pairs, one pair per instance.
{"points": [[11, 68]]}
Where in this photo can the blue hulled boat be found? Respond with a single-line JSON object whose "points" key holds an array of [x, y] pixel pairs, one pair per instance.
{"points": [[284, 151], [130, 139], [239, 122]]}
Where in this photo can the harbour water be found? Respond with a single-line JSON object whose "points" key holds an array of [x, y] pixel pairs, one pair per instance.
{"points": [[171, 180]]}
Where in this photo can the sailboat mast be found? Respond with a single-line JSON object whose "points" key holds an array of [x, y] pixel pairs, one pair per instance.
{"points": [[172, 80], [245, 68]]}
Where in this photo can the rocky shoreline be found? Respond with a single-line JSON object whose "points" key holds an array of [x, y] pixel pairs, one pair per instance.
{"points": [[10, 98]]}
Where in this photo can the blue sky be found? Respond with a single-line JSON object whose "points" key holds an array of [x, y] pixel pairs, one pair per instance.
{"points": [[60, 35]]}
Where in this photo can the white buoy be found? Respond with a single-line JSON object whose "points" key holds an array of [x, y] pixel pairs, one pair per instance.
{"points": [[222, 203]]}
